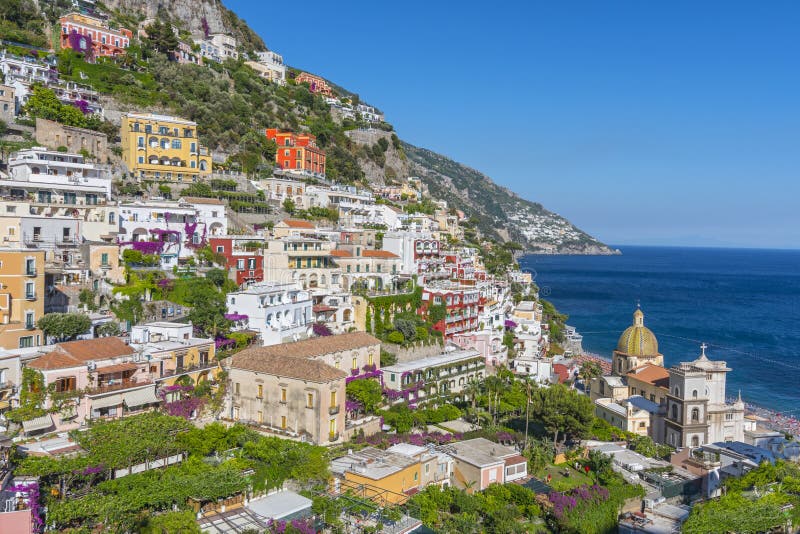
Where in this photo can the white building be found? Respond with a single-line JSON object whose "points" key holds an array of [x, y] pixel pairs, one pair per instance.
{"points": [[275, 68], [428, 378], [420, 254], [279, 312], [43, 169], [369, 113], [697, 412], [181, 226]]}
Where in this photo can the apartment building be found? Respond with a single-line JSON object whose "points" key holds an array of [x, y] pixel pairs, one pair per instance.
{"points": [[480, 463], [368, 269], [315, 83], [297, 151], [177, 227], [287, 394], [22, 283], [420, 254], [279, 312], [432, 377], [93, 36], [244, 256], [8, 104], [106, 375], [172, 352], [461, 306], [269, 66], [163, 148], [308, 261], [384, 476], [226, 45]]}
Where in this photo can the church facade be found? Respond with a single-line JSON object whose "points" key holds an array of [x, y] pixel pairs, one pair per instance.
{"points": [[690, 396]]}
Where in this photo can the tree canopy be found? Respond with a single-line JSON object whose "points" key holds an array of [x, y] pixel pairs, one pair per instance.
{"points": [[64, 326]]}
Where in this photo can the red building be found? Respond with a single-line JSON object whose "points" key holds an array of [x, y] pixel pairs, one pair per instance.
{"points": [[297, 152], [315, 84], [92, 36], [244, 255], [461, 305]]}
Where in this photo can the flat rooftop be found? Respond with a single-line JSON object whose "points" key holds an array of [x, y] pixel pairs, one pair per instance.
{"points": [[433, 361]]}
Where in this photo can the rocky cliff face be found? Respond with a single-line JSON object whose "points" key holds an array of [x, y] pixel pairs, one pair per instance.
{"points": [[197, 16]]}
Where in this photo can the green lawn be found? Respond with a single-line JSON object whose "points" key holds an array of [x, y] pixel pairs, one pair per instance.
{"points": [[561, 483]]}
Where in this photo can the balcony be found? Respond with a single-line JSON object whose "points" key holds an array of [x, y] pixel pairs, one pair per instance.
{"points": [[333, 410], [188, 369], [117, 386]]}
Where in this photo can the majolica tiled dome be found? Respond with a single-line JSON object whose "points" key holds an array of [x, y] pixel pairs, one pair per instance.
{"points": [[637, 339]]}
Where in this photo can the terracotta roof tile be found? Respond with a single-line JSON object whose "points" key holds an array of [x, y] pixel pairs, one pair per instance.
{"points": [[652, 374], [315, 346], [339, 253], [286, 366], [379, 254], [76, 353], [561, 371], [298, 223]]}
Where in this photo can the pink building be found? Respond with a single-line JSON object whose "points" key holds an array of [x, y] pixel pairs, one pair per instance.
{"points": [[115, 380], [489, 343], [479, 463]]}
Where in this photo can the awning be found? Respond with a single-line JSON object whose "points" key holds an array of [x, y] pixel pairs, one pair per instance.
{"points": [[107, 402], [140, 397], [40, 423], [118, 368]]}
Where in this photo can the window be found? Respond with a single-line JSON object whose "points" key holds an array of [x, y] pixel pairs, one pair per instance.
{"points": [[141, 160], [29, 320], [416, 475], [176, 143], [694, 394], [140, 141], [220, 248], [30, 290], [695, 441], [237, 388], [283, 395], [260, 417], [333, 398], [104, 259], [193, 147], [309, 400], [355, 363], [65, 384], [260, 394], [240, 264], [251, 263], [283, 422], [112, 218], [25, 342], [70, 198], [370, 358], [695, 415]]}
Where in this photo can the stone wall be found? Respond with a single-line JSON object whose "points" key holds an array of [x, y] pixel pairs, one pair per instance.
{"points": [[54, 135]]}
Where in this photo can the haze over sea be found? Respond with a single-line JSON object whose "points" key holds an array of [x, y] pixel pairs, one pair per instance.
{"points": [[744, 303]]}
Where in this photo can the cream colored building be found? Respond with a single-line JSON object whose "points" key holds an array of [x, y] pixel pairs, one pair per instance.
{"points": [[21, 297], [307, 261]]}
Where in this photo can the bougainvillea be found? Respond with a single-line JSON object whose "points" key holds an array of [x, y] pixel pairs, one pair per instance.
{"points": [[83, 44], [32, 499], [384, 440], [147, 247], [357, 376], [236, 317], [321, 330], [82, 105], [184, 408], [301, 526]]}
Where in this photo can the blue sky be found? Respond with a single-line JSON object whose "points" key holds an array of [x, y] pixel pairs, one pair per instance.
{"points": [[672, 123]]}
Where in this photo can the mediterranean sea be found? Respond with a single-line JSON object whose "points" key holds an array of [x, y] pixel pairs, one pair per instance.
{"points": [[745, 304]]}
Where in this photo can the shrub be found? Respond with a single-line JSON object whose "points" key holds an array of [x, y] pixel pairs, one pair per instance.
{"points": [[395, 337]]}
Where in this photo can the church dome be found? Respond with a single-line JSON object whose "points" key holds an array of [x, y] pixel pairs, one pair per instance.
{"points": [[637, 339]]}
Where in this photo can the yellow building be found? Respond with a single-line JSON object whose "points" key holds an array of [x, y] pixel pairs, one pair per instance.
{"points": [[385, 477], [21, 297], [163, 148]]}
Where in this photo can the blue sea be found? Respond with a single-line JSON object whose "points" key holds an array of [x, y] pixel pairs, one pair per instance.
{"points": [[745, 304]]}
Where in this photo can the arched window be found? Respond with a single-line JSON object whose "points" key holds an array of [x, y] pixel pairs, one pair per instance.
{"points": [[164, 143], [355, 363], [694, 394], [153, 142], [677, 392], [675, 411], [695, 415], [695, 441], [203, 165]]}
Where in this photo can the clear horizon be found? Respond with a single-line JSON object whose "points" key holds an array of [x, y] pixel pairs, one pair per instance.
{"points": [[671, 124]]}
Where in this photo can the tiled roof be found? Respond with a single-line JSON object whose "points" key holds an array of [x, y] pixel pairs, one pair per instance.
{"points": [[201, 200], [561, 371], [652, 374], [298, 223], [287, 366], [379, 254], [315, 346], [76, 353], [341, 253]]}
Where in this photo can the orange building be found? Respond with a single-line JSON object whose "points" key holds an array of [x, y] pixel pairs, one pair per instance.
{"points": [[297, 152], [315, 84], [95, 33]]}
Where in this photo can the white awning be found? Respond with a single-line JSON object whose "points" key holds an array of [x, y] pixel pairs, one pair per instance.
{"points": [[139, 397], [107, 402], [40, 423]]}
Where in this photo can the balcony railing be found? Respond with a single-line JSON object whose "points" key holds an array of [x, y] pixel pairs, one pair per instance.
{"points": [[189, 369], [30, 326], [333, 410], [117, 386]]}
